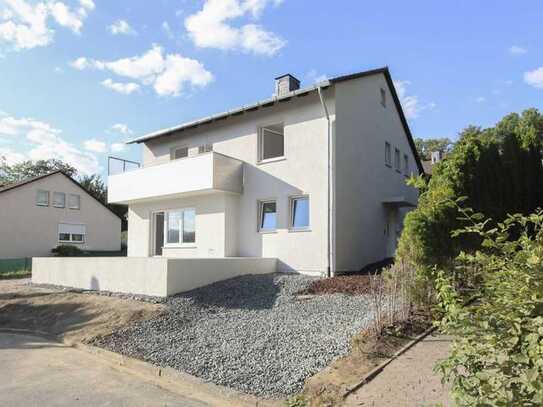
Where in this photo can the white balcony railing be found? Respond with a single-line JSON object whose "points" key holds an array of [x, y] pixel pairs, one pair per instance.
{"points": [[201, 173]]}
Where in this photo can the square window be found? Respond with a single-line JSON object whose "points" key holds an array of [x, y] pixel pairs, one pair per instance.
{"points": [[179, 152], [74, 201], [388, 154], [78, 238], [267, 216], [397, 159], [383, 98], [42, 198], [59, 199], [64, 237], [180, 226], [271, 142], [299, 213], [206, 148], [71, 233]]}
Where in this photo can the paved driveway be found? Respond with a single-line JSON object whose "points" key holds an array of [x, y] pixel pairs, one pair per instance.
{"points": [[38, 372]]}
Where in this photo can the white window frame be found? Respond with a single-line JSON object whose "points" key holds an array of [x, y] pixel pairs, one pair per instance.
{"points": [[58, 205], [71, 241], [260, 215], [205, 148], [70, 206], [291, 200], [388, 154], [405, 165], [180, 243], [397, 159], [261, 129], [38, 203], [176, 148]]}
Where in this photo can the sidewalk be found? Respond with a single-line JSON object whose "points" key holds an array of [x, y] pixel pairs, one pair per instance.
{"points": [[409, 380]]}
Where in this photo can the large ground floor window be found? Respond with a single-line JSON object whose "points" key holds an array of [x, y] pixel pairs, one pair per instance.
{"points": [[179, 227], [72, 233]]}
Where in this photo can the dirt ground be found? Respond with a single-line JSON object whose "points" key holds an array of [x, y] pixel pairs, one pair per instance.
{"points": [[73, 317]]}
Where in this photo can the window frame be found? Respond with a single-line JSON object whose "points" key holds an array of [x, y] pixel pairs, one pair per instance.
{"points": [[70, 206], [406, 165], [291, 226], [383, 94], [205, 148], [181, 242], [260, 147], [388, 154], [71, 240], [260, 215], [55, 205], [48, 198], [176, 148], [397, 159]]}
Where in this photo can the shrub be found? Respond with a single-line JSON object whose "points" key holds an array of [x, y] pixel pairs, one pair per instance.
{"points": [[67, 251], [497, 353]]}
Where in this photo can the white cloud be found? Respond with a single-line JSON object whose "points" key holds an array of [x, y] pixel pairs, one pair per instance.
{"points": [[124, 88], [95, 146], [167, 74], [118, 147], [534, 78], [480, 99], [168, 30], [25, 25], [121, 27], [122, 129], [41, 142], [314, 76], [516, 50], [410, 104], [210, 28]]}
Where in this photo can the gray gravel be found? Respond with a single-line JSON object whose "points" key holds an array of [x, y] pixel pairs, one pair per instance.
{"points": [[250, 333]]}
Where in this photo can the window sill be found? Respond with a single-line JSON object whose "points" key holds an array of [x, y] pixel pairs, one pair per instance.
{"points": [[271, 160], [43, 205], [294, 230], [58, 207], [388, 165], [267, 232], [75, 209], [69, 242], [180, 246]]}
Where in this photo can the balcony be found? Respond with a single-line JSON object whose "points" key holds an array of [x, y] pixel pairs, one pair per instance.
{"points": [[192, 175]]}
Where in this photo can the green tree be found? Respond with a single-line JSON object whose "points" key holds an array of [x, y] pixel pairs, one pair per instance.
{"points": [[426, 146], [10, 174], [95, 186]]}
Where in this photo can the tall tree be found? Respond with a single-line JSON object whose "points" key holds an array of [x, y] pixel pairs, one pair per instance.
{"points": [[11, 174], [426, 146], [95, 186]]}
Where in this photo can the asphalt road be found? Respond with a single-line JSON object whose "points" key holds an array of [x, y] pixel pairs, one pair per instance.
{"points": [[38, 372]]}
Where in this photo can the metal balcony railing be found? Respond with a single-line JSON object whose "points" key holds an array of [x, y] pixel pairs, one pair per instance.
{"points": [[117, 165]]}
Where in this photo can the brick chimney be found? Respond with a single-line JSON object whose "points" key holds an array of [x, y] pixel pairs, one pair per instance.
{"points": [[285, 84]]}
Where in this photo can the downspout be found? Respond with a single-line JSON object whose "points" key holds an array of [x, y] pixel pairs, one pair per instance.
{"points": [[329, 268]]}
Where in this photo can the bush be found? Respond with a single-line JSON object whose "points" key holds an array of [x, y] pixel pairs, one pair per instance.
{"points": [[497, 354], [67, 251]]}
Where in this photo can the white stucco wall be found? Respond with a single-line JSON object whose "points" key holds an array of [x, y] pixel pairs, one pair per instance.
{"points": [[303, 171], [362, 179], [28, 230]]}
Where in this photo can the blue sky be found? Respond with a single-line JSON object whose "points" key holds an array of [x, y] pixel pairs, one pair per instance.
{"points": [[78, 77]]}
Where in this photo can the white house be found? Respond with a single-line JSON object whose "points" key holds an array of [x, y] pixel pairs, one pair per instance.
{"points": [[38, 214], [313, 177]]}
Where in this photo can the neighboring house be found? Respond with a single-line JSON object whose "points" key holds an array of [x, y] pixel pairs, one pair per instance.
{"points": [[314, 177], [435, 157], [38, 214]]}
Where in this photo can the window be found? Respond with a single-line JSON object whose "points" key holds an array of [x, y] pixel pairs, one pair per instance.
{"points": [[388, 155], [180, 226], [299, 213], [71, 233], [397, 159], [405, 165], [59, 199], [42, 198], [74, 201], [179, 152], [383, 98], [271, 140], [267, 216], [206, 148]]}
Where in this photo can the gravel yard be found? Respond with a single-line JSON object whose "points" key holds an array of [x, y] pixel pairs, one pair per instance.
{"points": [[251, 333]]}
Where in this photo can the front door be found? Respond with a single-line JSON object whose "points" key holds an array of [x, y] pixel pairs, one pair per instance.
{"points": [[158, 233]]}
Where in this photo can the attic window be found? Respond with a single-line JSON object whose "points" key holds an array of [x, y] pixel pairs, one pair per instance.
{"points": [[271, 141], [179, 152], [383, 98], [206, 148]]}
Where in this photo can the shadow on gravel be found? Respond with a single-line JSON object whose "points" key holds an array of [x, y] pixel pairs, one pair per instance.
{"points": [[252, 292]]}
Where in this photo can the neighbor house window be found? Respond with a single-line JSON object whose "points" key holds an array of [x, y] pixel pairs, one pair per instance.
{"points": [[405, 165], [299, 213], [71, 233], [179, 152], [267, 216], [397, 159], [206, 148], [383, 98], [388, 154], [42, 198], [180, 226], [74, 201], [59, 199], [271, 142]]}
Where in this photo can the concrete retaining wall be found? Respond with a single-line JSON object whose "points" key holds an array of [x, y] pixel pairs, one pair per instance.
{"points": [[143, 275]]}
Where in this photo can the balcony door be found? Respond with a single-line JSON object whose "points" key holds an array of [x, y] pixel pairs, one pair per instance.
{"points": [[158, 235]]}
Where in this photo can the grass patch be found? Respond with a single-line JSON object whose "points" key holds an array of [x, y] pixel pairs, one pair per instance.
{"points": [[9, 275]]}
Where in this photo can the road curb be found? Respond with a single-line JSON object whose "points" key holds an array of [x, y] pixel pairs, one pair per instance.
{"points": [[368, 377], [164, 377]]}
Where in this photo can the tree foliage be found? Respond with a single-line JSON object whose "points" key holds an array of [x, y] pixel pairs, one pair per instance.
{"points": [[426, 146], [11, 174], [95, 186], [497, 353], [496, 171]]}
